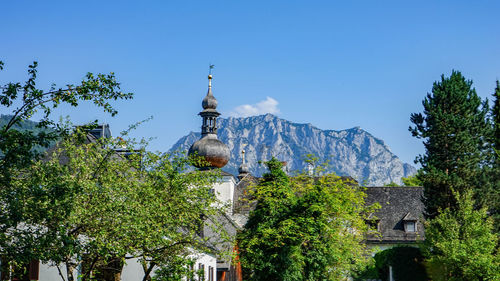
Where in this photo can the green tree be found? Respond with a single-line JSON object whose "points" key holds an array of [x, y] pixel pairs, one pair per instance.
{"points": [[496, 118], [20, 147], [90, 207], [490, 193], [460, 244], [454, 129], [303, 228]]}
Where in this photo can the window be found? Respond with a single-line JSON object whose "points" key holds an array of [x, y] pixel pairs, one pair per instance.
{"points": [[201, 272], [410, 222], [410, 226], [210, 273]]}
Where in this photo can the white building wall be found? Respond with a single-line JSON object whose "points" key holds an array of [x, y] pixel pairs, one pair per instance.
{"points": [[207, 261], [49, 272], [224, 191], [132, 270]]}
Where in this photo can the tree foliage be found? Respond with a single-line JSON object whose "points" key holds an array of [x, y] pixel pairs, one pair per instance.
{"points": [[460, 244], [496, 118], [303, 228], [489, 194], [25, 99], [87, 206], [19, 148], [454, 127]]}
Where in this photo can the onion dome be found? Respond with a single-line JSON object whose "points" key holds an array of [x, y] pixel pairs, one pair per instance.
{"points": [[215, 152]]}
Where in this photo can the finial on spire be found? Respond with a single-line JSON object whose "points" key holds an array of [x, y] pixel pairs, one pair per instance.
{"points": [[243, 153], [210, 67], [209, 102]]}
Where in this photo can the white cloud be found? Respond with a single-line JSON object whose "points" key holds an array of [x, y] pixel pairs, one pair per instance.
{"points": [[269, 105]]}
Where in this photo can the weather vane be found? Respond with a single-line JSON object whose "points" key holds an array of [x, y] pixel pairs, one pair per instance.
{"points": [[210, 67]]}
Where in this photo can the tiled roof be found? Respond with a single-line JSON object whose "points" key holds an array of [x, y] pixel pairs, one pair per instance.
{"points": [[398, 204]]}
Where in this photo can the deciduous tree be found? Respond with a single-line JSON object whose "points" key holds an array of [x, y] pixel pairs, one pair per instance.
{"points": [[460, 245], [303, 228], [19, 148]]}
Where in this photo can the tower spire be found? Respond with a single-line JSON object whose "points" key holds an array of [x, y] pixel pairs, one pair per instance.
{"points": [[213, 150], [209, 113]]}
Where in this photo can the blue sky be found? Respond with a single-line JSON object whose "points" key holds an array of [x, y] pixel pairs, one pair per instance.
{"points": [[334, 64]]}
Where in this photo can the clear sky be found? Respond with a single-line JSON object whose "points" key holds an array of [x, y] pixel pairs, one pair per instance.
{"points": [[334, 64]]}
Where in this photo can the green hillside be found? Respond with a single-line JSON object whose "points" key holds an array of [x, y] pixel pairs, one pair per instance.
{"points": [[24, 125]]}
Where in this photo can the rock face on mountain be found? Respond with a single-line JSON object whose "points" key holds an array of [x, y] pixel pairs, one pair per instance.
{"points": [[352, 152]]}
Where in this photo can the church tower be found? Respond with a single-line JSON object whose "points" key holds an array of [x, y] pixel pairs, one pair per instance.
{"points": [[215, 152]]}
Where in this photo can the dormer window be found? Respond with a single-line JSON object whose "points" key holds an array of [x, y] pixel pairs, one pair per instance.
{"points": [[410, 226], [373, 223], [410, 223]]}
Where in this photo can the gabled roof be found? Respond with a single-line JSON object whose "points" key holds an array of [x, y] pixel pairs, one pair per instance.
{"points": [[410, 217]]}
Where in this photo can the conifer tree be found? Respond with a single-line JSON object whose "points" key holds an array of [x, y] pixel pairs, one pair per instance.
{"points": [[491, 187], [495, 112], [453, 126]]}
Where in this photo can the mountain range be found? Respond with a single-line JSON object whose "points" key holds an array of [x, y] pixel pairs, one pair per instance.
{"points": [[352, 152]]}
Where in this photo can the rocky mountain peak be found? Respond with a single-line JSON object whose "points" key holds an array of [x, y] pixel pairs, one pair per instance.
{"points": [[352, 152]]}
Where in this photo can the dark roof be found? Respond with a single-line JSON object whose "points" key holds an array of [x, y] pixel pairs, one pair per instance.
{"points": [[398, 204], [218, 240]]}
